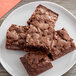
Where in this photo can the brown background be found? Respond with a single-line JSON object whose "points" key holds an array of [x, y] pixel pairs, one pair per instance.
{"points": [[68, 4]]}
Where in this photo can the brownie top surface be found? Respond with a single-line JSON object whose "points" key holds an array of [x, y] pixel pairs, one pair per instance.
{"points": [[40, 36], [16, 32], [36, 59], [16, 36], [43, 15], [44, 9], [61, 42]]}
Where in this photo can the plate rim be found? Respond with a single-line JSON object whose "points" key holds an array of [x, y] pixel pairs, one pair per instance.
{"points": [[1, 61]]}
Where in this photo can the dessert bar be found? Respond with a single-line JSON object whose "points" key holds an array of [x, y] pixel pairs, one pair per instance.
{"points": [[15, 37], [36, 63], [40, 37], [62, 44], [43, 16]]}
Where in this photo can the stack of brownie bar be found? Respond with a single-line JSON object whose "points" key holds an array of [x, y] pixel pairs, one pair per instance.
{"points": [[40, 40]]}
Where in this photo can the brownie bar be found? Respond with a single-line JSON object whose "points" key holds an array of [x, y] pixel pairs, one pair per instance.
{"points": [[39, 37], [62, 44], [36, 63], [43, 16], [15, 37]]}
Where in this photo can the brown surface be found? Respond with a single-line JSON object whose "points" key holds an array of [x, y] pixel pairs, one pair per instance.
{"points": [[36, 63], [40, 33], [43, 16], [40, 37], [15, 37], [62, 44]]}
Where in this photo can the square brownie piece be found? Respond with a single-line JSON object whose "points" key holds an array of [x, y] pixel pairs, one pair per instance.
{"points": [[36, 63], [62, 44], [43, 16], [40, 37], [15, 37]]}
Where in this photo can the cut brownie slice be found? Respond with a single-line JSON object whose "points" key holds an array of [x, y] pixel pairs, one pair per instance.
{"points": [[62, 44], [43, 16], [15, 37], [36, 63], [40, 37]]}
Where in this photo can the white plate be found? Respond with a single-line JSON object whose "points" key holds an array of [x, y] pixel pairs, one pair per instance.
{"points": [[10, 58]]}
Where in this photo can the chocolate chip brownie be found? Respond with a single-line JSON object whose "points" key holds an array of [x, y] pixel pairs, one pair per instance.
{"points": [[36, 63], [43, 16], [62, 44], [15, 37], [40, 37]]}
